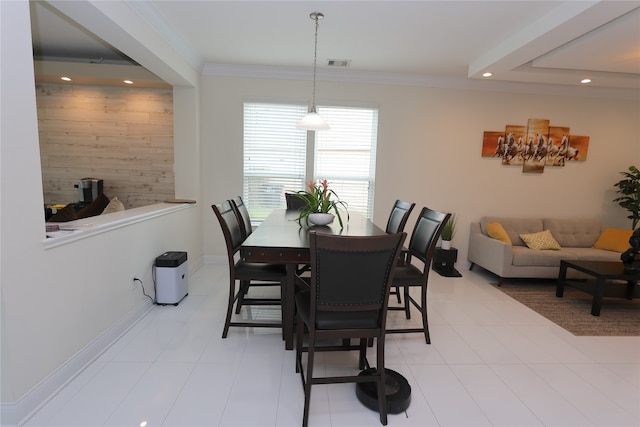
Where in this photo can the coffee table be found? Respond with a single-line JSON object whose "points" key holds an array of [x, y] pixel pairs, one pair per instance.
{"points": [[602, 271]]}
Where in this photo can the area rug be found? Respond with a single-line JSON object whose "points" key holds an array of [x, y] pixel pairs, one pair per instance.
{"points": [[618, 317]]}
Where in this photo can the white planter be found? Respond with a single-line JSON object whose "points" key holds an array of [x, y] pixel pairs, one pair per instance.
{"points": [[321, 218], [446, 244]]}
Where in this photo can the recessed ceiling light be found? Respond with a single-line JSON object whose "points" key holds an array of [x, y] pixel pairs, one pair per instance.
{"points": [[129, 82], [487, 74], [65, 78], [585, 81]]}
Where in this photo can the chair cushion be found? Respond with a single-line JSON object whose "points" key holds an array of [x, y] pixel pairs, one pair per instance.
{"points": [[260, 271], [540, 241], [407, 275], [335, 319], [614, 239]]}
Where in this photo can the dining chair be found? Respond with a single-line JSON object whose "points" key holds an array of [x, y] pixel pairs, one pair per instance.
{"points": [[293, 201], [246, 273], [395, 224], [407, 275], [347, 298], [242, 213], [243, 216]]}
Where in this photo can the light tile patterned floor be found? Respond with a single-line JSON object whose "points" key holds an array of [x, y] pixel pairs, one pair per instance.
{"points": [[492, 362]]}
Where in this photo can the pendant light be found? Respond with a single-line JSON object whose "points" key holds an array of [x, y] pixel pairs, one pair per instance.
{"points": [[313, 120]]}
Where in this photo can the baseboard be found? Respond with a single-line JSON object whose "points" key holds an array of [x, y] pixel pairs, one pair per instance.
{"points": [[212, 259], [13, 414]]}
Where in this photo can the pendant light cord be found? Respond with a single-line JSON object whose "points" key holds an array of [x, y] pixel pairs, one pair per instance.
{"points": [[315, 16]]}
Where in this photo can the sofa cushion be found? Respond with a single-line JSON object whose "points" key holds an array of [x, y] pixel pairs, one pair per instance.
{"points": [[614, 239], [523, 256], [591, 254], [573, 232], [495, 230], [514, 227], [542, 240]]}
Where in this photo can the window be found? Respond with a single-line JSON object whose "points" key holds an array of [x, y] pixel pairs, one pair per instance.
{"points": [[346, 155], [275, 155]]}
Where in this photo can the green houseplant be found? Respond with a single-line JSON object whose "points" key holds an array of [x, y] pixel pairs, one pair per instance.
{"points": [[318, 199], [448, 231], [629, 188]]}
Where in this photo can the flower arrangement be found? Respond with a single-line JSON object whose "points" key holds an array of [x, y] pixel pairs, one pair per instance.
{"points": [[317, 199]]}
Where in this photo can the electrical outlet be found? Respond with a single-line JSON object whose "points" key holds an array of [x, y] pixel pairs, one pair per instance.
{"points": [[134, 281]]}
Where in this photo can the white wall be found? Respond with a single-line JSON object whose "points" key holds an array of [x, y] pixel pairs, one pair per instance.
{"points": [[429, 149], [56, 302]]}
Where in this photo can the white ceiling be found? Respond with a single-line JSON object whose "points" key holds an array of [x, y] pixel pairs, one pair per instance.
{"points": [[555, 42]]}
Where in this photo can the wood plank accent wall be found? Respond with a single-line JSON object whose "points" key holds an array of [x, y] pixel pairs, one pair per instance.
{"points": [[123, 135]]}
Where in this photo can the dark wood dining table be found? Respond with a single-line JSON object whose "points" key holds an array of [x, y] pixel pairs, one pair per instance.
{"points": [[281, 240]]}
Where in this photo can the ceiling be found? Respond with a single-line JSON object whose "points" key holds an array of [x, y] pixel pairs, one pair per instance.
{"points": [[550, 42]]}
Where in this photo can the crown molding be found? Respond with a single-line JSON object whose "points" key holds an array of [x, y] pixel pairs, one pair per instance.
{"points": [[352, 76]]}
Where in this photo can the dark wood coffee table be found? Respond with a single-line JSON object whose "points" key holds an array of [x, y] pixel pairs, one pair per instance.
{"points": [[602, 271]]}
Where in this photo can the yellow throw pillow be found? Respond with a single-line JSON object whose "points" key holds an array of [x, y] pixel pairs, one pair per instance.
{"points": [[614, 239], [496, 231], [541, 240]]}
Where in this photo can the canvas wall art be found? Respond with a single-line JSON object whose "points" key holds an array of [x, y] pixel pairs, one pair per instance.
{"points": [[535, 146]]}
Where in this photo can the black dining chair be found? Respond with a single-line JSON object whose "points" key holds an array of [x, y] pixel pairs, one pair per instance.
{"points": [[407, 275], [242, 213], [347, 298], [293, 201], [243, 216], [395, 224], [246, 273]]}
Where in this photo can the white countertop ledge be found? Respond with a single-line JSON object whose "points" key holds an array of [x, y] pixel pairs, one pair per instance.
{"points": [[87, 227]]}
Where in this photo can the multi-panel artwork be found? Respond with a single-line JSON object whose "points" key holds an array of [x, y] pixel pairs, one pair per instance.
{"points": [[534, 146]]}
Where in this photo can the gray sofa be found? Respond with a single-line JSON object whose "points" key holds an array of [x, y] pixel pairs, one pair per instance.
{"points": [[575, 236]]}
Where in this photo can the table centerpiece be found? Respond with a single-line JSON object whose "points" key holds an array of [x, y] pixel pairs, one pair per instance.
{"points": [[318, 204]]}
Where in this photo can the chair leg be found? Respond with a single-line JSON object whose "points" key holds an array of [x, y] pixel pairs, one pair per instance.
{"points": [[232, 293], [299, 343], [407, 306], [382, 397], [309, 379], [425, 320], [244, 288], [397, 292]]}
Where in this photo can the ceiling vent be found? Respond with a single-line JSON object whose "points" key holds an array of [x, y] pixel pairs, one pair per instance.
{"points": [[338, 62]]}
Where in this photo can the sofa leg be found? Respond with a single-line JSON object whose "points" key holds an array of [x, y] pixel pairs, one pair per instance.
{"points": [[501, 281], [471, 266]]}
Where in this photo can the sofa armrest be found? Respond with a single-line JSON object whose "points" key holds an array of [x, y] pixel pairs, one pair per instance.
{"points": [[488, 253]]}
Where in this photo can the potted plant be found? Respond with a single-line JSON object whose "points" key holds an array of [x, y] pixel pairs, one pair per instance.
{"points": [[630, 190], [448, 231], [317, 200]]}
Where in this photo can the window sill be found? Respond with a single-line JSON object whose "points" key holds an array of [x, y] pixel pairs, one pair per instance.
{"points": [[87, 227]]}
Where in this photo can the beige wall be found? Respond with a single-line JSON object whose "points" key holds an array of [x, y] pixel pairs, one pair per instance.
{"points": [[123, 135], [429, 149], [56, 303]]}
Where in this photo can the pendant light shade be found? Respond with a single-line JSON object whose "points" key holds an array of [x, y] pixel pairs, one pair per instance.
{"points": [[313, 120]]}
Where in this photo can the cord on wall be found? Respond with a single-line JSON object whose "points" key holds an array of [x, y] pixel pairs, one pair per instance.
{"points": [[143, 291]]}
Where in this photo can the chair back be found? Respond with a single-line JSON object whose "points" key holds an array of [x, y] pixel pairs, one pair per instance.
{"points": [[426, 234], [293, 201], [399, 216], [230, 228], [352, 273], [243, 216]]}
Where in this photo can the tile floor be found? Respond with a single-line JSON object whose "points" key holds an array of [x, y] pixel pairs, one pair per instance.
{"points": [[492, 362]]}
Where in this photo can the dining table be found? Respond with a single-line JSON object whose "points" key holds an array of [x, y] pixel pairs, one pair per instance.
{"points": [[282, 239]]}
